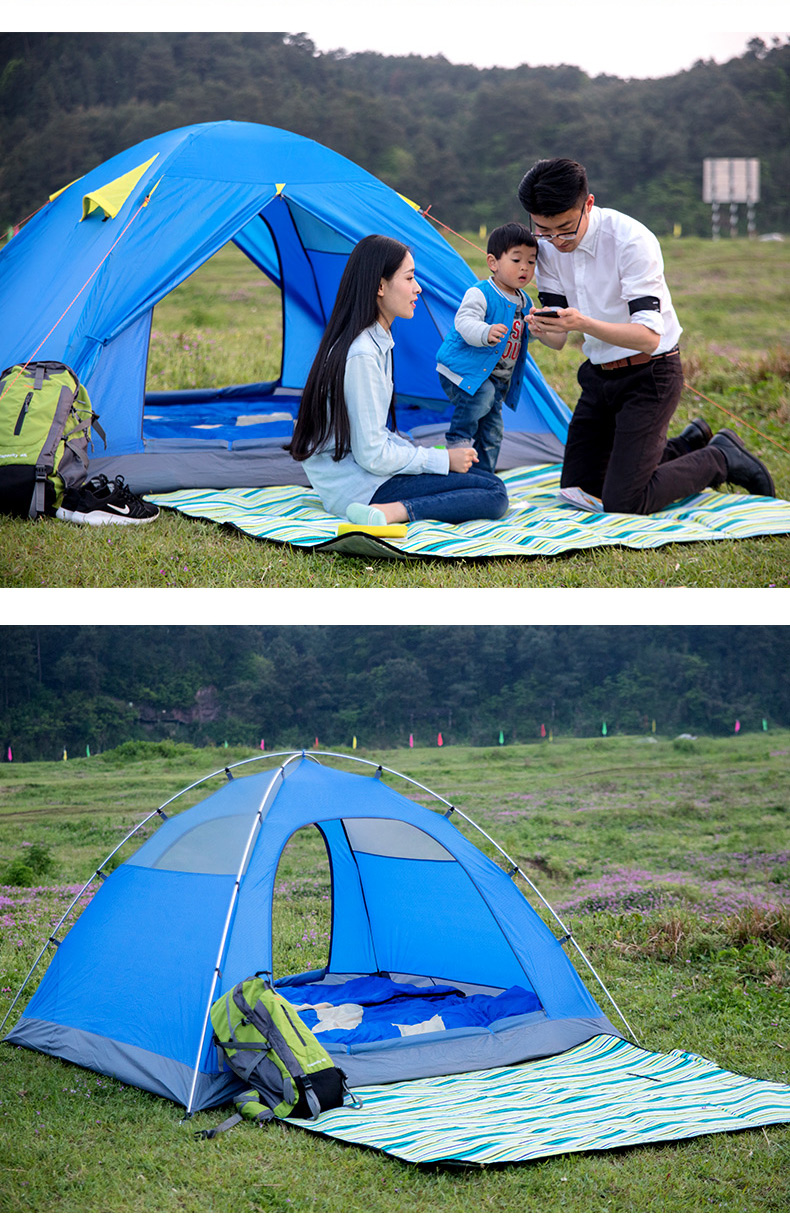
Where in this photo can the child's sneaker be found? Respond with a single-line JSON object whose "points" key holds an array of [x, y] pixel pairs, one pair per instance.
{"points": [[100, 501]]}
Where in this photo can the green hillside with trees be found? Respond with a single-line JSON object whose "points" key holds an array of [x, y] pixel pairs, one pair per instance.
{"points": [[99, 686], [452, 137]]}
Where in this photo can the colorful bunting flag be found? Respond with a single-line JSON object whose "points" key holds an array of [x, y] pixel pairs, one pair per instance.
{"points": [[439, 740], [411, 740]]}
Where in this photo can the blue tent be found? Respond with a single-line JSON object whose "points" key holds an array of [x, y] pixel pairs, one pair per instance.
{"points": [[421, 919], [80, 281]]}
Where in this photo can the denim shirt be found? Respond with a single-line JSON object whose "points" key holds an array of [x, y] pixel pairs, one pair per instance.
{"points": [[376, 452], [465, 357]]}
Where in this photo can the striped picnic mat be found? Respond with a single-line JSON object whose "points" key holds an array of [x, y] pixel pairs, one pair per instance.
{"points": [[538, 522], [603, 1094]]}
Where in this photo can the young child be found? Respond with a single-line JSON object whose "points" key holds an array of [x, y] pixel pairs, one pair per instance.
{"points": [[481, 360], [357, 465]]}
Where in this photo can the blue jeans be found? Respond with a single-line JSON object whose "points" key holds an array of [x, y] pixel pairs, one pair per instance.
{"points": [[477, 418], [451, 498]]}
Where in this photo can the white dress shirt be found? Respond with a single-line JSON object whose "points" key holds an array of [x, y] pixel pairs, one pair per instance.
{"points": [[618, 260]]}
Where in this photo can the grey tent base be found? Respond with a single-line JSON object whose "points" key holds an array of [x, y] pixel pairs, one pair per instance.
{"points": [[511, 1041], [469, 1049], [130, 1065], [168, 465]]}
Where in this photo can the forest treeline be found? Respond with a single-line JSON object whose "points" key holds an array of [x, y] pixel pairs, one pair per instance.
{"points": [[452, 137], [95, 687]]}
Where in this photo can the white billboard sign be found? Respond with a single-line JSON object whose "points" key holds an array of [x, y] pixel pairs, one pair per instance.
{"points": [[731, 181]]}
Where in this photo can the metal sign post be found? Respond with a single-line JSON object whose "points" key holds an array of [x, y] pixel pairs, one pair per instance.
{"points": [[731, 181]]}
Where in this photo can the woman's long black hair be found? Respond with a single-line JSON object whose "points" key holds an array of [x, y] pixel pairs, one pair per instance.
{"points": [[323, 413]]}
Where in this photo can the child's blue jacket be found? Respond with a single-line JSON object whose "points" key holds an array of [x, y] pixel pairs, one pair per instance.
{"points": [[464, 359]]}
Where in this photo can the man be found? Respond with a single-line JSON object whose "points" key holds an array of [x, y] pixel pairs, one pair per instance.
{"points": [[601, 273]]}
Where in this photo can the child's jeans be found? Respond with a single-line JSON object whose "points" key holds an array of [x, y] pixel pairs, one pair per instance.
{"points": [[477, 419]]}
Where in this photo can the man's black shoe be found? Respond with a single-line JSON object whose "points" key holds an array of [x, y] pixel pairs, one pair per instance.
{"points": [[696, 435], [743, 469]]}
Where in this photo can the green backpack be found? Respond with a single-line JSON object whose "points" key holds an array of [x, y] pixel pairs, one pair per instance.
{"points": [[45, 429], [261, 1038]]}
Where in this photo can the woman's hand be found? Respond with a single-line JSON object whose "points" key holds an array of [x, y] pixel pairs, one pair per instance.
{"points": [[462, 459]]}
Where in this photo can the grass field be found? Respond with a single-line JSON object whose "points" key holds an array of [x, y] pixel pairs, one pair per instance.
{"points": [[667, 858], [223, 326]]}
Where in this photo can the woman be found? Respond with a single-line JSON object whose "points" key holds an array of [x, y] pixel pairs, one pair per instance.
{"points": [[358, 465]]}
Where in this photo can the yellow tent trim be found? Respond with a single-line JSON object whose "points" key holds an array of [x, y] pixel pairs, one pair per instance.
{"points": [[62, 188], [280, 186], [111, 198], [416, 206]]}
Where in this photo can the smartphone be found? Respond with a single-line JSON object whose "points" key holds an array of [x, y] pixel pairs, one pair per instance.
{"points": [[546, 312]]}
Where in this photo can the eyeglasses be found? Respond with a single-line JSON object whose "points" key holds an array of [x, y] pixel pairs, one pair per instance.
{"points": [[561, 236]]}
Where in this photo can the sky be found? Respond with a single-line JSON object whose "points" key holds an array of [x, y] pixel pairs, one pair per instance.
{"points": [[625, 38]]}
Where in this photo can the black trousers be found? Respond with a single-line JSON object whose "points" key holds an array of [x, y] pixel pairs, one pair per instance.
{"points": [[617, 447]]}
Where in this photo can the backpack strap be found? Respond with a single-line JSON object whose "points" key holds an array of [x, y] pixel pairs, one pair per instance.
{"points": [[210, 1132], [46, 458], [356, 1102], [248, 1106], [248, 1049], [278, 1043], [310, 1097]]}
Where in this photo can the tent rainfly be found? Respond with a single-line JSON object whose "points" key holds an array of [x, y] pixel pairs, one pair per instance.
{"points": [[108, 248], [448, 966]]}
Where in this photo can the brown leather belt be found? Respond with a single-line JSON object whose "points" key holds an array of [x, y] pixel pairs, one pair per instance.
{"points": [[634, 360]]}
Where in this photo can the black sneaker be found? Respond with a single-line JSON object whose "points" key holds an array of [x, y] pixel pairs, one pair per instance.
{"points": [[100, 501], [743, 469], [696, 435]]}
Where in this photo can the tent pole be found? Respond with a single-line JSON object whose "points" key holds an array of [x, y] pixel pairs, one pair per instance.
{"points": [[268, 797]]}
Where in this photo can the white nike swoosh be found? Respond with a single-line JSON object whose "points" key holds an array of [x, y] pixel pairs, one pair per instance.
{"points": [[120, 510]]}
